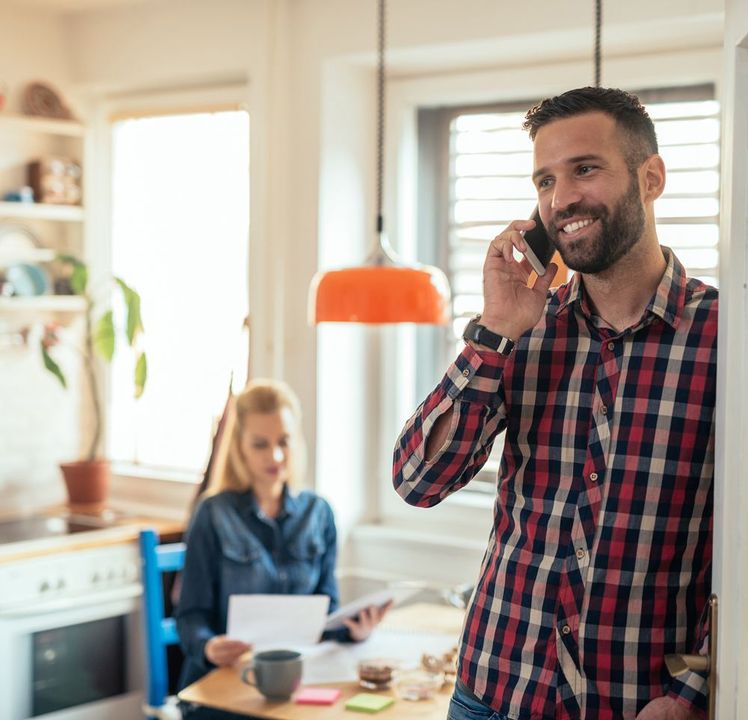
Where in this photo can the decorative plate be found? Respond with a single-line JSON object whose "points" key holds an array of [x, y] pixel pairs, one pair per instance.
{"points": [[18, 244]]}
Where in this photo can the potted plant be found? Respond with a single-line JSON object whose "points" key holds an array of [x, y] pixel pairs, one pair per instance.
{"points": [[87, 480]]}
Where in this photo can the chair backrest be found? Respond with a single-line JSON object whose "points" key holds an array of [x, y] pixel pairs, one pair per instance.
{"points": [[160, 631]]}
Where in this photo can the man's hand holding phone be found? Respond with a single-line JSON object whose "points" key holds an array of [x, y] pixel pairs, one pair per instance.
{"points": [[510, 305]]}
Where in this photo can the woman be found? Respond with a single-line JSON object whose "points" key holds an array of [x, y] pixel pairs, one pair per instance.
{"points": [[253, 534]]}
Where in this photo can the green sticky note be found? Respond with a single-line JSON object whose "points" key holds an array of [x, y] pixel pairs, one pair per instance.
{"points": [[368, 702]]}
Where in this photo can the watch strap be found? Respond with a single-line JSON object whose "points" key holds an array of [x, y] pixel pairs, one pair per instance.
{"points": [[481, 335]]}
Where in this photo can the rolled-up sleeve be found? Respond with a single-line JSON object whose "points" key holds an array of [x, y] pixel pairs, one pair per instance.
{"points": [[472, 393]]}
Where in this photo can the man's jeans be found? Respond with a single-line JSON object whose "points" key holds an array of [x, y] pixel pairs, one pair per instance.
{"points": [[463, 706]]}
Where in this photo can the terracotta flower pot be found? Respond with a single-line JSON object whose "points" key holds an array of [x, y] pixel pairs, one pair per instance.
{"points": [[87, 483]]}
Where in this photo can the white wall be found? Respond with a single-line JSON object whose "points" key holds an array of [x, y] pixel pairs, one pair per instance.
{"points": [[33, 46], [39, 421], [165, 44]]}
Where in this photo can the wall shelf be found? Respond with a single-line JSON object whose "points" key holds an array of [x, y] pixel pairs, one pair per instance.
{"points": [[41, 211], [48, 126], [28, 255], [30, 309]]}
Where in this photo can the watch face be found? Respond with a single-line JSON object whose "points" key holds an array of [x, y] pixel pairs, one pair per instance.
{"points": [[472, 331]]}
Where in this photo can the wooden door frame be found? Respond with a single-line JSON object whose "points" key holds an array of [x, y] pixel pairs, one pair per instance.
{"points": [[730, 576]]}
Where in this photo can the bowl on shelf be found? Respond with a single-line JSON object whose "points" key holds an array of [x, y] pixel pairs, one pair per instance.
{"points": [[27, 280]]}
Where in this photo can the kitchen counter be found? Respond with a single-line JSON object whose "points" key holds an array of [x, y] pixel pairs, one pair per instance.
{"points": [[111, 528]]}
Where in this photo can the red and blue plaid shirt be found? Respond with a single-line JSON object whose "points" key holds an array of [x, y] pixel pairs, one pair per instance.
{"points": [[598, 563]]}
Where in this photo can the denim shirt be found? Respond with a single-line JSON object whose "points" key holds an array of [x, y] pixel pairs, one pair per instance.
{"points": [[234, 548]]}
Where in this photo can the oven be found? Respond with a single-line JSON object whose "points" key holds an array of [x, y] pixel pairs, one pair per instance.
{"points": [[71, 637]]}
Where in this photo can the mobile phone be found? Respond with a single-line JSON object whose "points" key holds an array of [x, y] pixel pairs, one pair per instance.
{"points": [[540, 249]]}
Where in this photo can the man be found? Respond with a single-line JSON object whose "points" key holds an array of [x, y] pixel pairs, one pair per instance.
{"points": [[598, 562]]}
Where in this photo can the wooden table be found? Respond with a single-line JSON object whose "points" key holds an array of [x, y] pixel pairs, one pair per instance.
{"points": [[223, 688]]}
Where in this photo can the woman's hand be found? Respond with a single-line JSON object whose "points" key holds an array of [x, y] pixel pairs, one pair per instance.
{"points": [[222, 650], [367, 620], [510, 306]]}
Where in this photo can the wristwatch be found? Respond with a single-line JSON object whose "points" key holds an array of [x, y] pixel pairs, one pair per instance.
{"points": [[481, 335]]}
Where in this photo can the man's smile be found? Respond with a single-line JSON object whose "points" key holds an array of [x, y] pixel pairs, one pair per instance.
{"points": [[570, 228]]}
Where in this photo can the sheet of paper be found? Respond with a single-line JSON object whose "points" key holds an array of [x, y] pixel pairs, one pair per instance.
{"points": [[398, 594], [331, 662], [277, 621], [328, 662]]}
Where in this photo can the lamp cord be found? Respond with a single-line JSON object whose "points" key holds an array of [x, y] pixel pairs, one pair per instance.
{"points": [[380, 117], [598, 32]]}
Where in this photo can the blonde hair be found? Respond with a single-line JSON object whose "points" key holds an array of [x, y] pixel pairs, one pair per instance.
{"points": [[261, 396]]}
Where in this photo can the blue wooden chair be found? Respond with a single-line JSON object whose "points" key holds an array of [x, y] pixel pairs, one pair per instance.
{"points": [[160, 631]]}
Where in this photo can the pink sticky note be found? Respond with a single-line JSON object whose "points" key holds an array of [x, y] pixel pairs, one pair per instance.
{"points": [[317, 696]]}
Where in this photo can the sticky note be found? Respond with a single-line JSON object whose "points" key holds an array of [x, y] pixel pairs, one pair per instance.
{"points": [[317, 696], [368, 702]]}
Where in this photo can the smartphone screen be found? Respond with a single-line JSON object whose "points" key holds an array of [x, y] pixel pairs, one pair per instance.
{"points": [[540, 249]]}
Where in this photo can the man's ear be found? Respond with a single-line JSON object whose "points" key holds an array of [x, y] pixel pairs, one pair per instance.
{"points": [[652, 178]]}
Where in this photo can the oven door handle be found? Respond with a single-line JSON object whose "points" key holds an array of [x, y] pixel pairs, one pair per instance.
{"points": [[73, 603]]}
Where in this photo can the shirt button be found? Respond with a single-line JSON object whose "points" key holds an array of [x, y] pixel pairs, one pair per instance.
{"points": [[565, 629], [465, 373], [603, 410], [611, 346], [580, 553], [593, 477]]}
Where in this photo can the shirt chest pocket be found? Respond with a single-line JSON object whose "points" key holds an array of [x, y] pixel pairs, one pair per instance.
{"points": [[241, 553], [242, 567], [306, 548], [304, 563]]}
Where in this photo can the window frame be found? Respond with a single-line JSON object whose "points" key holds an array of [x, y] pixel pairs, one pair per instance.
{"points": [[136, 103]]}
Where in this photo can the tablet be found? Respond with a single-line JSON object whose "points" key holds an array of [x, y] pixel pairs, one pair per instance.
{"points": [[397, 595]]}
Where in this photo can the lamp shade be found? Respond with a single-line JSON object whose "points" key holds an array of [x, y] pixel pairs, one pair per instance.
{"points": [[379, 294]]}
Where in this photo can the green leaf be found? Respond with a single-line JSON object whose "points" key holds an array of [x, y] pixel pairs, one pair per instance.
{"points": [[53, 367], [141, 374], [103, 338], [79, 278], [132, 303]]}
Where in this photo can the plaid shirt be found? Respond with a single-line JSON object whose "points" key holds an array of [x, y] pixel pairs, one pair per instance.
{"points": [[598, 563]]}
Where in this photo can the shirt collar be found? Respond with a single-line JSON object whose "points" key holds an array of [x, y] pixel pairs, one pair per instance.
{"points": [[667, 302], [289, 503]]}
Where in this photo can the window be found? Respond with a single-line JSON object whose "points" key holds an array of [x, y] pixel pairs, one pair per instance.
{"points": [[180, 221], [484, 161]]}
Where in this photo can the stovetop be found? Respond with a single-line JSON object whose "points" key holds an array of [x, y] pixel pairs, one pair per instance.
{"points": [[57, 556], [35, 527]]}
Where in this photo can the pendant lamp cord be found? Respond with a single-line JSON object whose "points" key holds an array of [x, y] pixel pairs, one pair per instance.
{"points": [[380, 117], [598, 32]]}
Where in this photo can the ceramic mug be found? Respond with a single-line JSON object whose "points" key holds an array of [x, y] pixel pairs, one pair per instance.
{"points": [[275, 673]]}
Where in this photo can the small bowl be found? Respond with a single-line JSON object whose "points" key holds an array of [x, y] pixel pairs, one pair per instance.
{"points": [[417, 684]]}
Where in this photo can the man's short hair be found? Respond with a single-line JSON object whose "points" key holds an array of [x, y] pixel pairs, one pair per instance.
{"points": [[639, 137]]}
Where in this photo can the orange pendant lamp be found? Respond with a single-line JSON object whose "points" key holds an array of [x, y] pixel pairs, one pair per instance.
{"points": [[383, 289]]}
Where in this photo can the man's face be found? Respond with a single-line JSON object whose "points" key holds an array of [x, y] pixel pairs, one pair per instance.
{"points": [[589, 200]]}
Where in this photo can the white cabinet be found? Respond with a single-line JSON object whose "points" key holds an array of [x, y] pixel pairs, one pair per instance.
{"points": [[49, 228]]}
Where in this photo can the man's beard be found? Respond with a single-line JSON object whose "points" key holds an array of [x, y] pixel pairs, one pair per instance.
{"points": [[620, 230]]}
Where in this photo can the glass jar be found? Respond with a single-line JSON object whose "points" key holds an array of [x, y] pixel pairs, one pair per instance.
{"points": [[416, 684], [376, 673]]}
